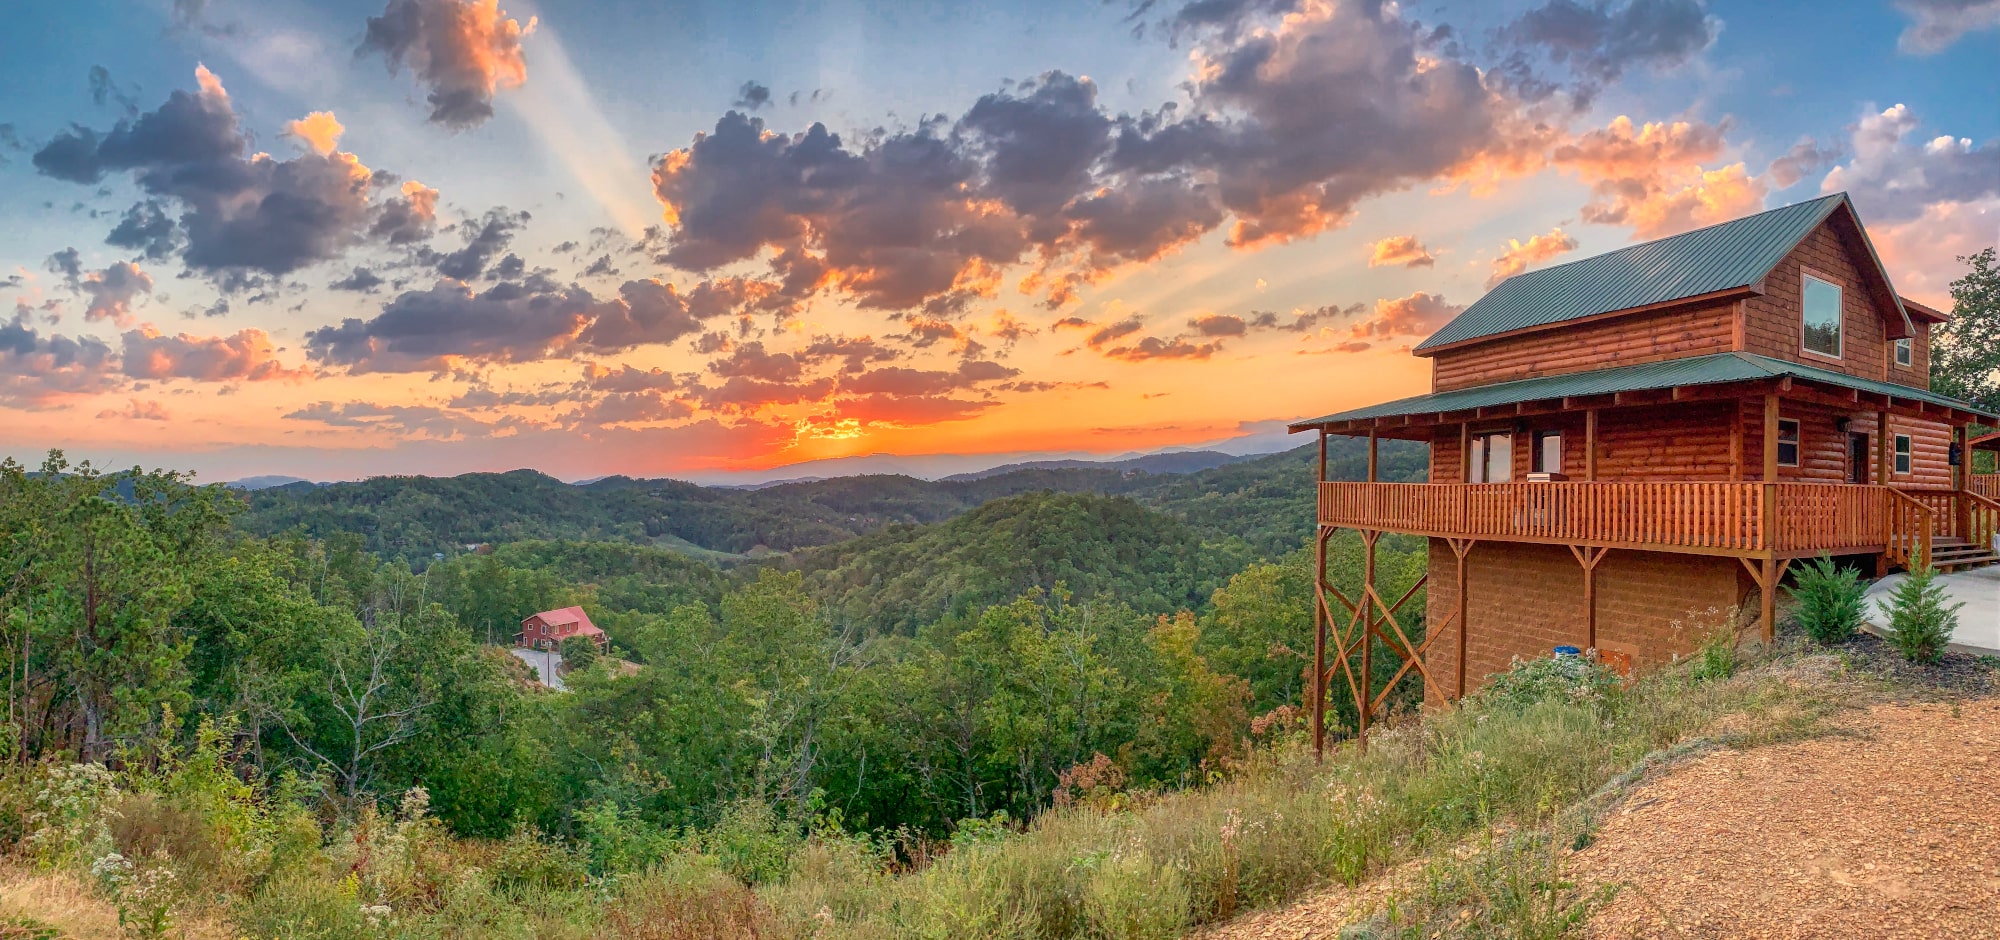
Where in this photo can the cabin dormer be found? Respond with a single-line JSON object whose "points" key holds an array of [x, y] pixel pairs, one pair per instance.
{"points": [[1801, 284]]}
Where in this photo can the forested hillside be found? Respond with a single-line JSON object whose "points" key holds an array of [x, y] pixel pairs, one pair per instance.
{"points": [[1264, 501]]}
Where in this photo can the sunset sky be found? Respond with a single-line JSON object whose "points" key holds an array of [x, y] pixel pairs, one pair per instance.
{"points": [[334, 240]]}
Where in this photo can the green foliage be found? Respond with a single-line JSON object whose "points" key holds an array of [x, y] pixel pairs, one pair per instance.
{"points": [[1549, 679], [1920, 622], [898, 579], [1965, 350], [579, 653], [1828, 599]]}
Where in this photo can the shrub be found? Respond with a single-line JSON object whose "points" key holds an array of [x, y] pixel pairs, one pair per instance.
{"points": [[1553, 678], [1920, 623], [1829, 601], [688, 897]]}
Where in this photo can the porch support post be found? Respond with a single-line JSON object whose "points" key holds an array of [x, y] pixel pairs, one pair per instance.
{"points": [[1372, 451], [1771, 438], [1588, 558], [1363, 703], [1318, 706], [1461, 548], [1736, 442], [1883, 443], [1590, 445]]}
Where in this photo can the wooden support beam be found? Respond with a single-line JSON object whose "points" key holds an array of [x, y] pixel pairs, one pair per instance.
{"points": [[1883, 446], [1372, 456], [1590, 445], [1771, 438], [1736, 443], [1461, 548], [1588, 558], [1368, 539]]}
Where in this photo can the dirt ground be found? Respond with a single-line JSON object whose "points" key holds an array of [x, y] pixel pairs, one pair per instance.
{"points": [[1890, 828], [1890, 831]]}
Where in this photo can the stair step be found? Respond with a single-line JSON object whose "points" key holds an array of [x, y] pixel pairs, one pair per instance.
{"points": [[1968, 561]]}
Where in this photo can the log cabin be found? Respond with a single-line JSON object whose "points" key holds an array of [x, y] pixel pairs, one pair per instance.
{"points": [[1623, 441]]}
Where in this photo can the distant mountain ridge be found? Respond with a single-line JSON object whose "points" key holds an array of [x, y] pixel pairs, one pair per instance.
{"points": [[1180, 461], [1267, 501]]}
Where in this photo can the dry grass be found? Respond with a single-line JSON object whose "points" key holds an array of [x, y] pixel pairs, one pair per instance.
{"points": [[62, 901]]}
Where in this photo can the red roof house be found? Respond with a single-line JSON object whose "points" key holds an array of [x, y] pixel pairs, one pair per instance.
{"points": [[549, 628]]}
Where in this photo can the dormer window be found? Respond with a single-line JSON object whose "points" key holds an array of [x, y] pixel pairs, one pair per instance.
{"points": [[1819, 303]]}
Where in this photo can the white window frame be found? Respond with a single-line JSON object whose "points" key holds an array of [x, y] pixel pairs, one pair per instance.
{"points": [[1476, 458], [1538, 458], [1906, 352], [1798, 442], [1840, 310], [1905, 455]]}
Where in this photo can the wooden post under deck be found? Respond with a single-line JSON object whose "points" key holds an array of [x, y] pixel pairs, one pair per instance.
{"points": [[1588, 558], [1461, 548], [1318, 692], [1367, 612]]}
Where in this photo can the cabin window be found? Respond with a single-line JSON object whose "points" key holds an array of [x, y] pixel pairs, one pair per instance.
{"points": [[1788, 442], [1904, 354], [1902, 453], [1821, 310], [1548, 453], [1492, 459]]}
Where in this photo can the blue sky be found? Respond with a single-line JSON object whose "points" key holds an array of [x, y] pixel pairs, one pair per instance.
{"points": [[1267, 202]]}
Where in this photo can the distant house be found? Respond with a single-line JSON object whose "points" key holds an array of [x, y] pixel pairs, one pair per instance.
{"points": [[547, 630]]}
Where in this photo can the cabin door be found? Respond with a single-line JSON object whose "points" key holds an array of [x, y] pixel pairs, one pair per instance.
{"points": [[1857, 458]]}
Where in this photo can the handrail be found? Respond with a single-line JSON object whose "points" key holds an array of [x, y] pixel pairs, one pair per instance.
{"points": [[1984, 484], [1910, 522], [1982, 518]]}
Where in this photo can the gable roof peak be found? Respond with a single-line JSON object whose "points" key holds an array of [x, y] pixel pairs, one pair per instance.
{"points": [[1733, 255]]}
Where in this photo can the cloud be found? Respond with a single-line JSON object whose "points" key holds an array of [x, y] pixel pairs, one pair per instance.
{"points": [[1294, 114], [361, 281], [484, 241], [103, 90], [1520, 256], [1218, 324], [1804, 158], [136, 411], [242, 214], [1650, 177], [246, 356], [464, 51], [407, 218], [751, 96], [1418, 315], [320, 131], [1893, 178], [113, 290], [1597, 42], [1936, 24], [432, 329], [37, 371], [407, 421], [1400, 250]]}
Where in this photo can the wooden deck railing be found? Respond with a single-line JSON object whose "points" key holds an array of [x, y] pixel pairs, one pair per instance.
{"points": [[1720, 518], [1986, 484], [1911, 522], [1788, 519]]}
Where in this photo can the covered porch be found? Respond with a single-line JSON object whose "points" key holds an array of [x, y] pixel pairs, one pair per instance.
{"points": [[1754, 459]]}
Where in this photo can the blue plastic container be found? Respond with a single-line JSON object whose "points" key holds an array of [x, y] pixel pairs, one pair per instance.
{"points": [[1562, 651]]}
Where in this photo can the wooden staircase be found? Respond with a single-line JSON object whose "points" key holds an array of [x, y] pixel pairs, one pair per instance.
{"points": [[1952, 554], [1955, 530]]}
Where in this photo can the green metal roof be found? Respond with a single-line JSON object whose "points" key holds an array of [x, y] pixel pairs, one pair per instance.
{"points": [[1720, 257], [1714, 369]]}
